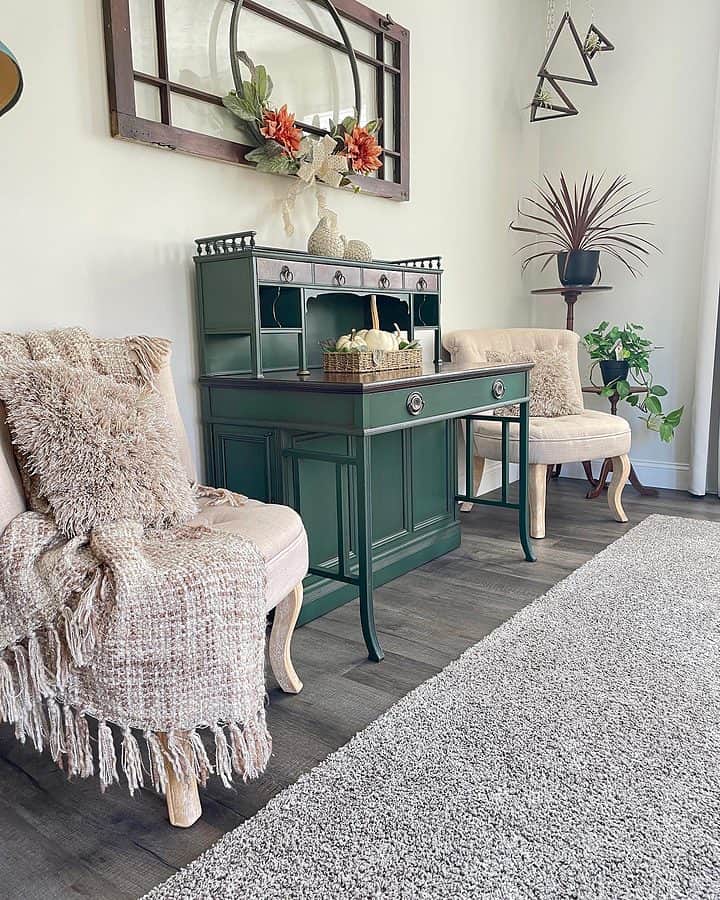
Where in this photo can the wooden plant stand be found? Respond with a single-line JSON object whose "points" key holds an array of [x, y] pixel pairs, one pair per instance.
{"points": [[600, 483], [570, 293]]}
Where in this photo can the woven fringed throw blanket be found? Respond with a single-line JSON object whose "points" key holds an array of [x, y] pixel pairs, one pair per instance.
{"points": [[160, 632]]}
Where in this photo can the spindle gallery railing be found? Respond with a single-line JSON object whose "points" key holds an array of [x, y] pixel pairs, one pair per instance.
{"points": [[423, 262], [226, 243]]}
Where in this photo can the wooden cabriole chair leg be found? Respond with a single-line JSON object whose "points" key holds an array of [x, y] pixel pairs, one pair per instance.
{"points": [[621, 474], [286, 615], [478, 472], [182, 795], [538, 493]]}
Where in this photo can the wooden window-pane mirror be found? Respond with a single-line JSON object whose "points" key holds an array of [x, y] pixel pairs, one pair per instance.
{"points": [[169, 67]]}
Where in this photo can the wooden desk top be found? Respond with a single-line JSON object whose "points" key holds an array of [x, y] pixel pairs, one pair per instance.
{"points": [[332, 382]]}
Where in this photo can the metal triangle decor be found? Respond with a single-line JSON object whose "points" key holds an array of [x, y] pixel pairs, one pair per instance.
{"points": [[567, 22], [596, 42], [543, 107]]}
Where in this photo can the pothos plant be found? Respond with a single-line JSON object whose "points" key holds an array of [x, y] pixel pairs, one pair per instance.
{"points": [[629, 344], [282, 149]]}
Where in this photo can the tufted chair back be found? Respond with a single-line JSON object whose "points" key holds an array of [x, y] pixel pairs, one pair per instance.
{"points": [[469, 347], [12, 498]]}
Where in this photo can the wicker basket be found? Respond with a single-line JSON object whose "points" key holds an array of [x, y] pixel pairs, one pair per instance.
{"points": [[372, 361]]}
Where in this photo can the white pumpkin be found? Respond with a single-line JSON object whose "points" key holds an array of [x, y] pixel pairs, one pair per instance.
{"points": [[351, 343], [380, 340]]}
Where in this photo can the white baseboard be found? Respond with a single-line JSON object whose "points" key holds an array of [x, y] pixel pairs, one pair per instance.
{"points": [[673, 476]]}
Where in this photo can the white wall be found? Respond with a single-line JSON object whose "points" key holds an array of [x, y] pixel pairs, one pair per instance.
{"points": [[651, 118], [98, 232]]}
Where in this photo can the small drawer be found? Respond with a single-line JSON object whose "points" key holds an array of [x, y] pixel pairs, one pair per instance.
{"points": [[379, 280], [284, 271], [338, 276], [422, 282]]}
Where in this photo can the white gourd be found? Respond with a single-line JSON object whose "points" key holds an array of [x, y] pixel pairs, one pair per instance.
{"points": [[380, 340], [349, 343]]}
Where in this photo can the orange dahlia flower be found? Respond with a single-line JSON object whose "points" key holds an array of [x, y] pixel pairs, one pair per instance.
{"points": [[279, 125], [363, 151]]}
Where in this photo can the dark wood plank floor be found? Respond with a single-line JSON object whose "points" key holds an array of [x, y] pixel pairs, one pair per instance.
{"points": [[66, 841]]}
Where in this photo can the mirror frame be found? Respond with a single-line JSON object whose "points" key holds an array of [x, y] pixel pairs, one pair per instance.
{"points": [[127, 125]]}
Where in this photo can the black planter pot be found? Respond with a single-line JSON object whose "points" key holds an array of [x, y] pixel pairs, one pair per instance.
{"points": [[614, 370], [578, 267]]}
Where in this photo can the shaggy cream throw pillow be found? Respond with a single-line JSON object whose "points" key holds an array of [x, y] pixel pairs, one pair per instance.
{"points": [[553, 390], [94, 450]]}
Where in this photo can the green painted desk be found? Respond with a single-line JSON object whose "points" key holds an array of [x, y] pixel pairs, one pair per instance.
{"points": [[369, 462]]}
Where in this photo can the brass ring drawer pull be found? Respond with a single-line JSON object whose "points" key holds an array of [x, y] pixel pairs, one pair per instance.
{"points": [[384, 281], [498, 389], [415, 404], [339, 278], [422, 284], [286, 274]]}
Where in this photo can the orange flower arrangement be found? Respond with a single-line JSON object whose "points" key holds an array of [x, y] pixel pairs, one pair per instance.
{"points": [[362, 150], [279, 125], [280, 148]]}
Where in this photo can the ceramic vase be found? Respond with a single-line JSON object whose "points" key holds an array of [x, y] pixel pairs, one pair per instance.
{"points": [[326, 240]]}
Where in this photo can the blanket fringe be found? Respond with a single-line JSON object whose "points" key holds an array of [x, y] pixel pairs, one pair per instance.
{"points": [[107, 761], [33, 677], [132, 762], [150, 355], [81, 622], [218, 496], [158, 774]]}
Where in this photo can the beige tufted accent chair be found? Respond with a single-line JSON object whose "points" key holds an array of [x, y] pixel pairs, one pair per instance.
{"points": [[565, 439], [277, 531]]}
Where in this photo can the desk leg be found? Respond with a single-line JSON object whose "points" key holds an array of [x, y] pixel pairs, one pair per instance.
{"points": [[524, 499], [364, 551]]}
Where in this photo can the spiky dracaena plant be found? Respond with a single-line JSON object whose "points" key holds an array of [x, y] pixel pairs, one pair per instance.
{"points": [[591, 216]]}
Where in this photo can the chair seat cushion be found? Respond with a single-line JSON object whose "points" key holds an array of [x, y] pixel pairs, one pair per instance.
{"points": [[564, 439], [278, 533]]}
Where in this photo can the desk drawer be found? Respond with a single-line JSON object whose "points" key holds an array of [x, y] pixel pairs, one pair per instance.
{"points": [[338, 276], [423, 282], [285, 271], [407, 405], [383, 281]]}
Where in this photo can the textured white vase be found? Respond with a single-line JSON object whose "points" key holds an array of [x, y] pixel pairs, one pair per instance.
{"points": [[358, 251], [326, 240]]}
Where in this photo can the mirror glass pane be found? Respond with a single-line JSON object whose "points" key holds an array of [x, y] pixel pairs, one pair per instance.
{"points": [[362, 39], [389, 131], [198, 44], [205, 118], [143, 36], [314, 81], [392, 53], [147, 101]]}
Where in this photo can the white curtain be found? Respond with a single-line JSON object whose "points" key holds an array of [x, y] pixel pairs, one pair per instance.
{"points": [[705, 453]]}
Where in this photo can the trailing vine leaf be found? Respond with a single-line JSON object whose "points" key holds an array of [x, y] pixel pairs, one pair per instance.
{"points": [[623, 389], [262, 84], [239, 107], [271, 157], [653, 405], [673, 418]]}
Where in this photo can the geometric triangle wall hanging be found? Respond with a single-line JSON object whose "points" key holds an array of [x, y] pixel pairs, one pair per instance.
{"points": [[596, 42], [567, 31], [550, 101]]}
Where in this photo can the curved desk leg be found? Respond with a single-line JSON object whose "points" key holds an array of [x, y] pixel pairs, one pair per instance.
{"points": [[364, 552], [524, 499]]}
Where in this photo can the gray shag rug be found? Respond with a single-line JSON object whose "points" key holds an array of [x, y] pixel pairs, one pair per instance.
{"points": [[575, 752]]}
